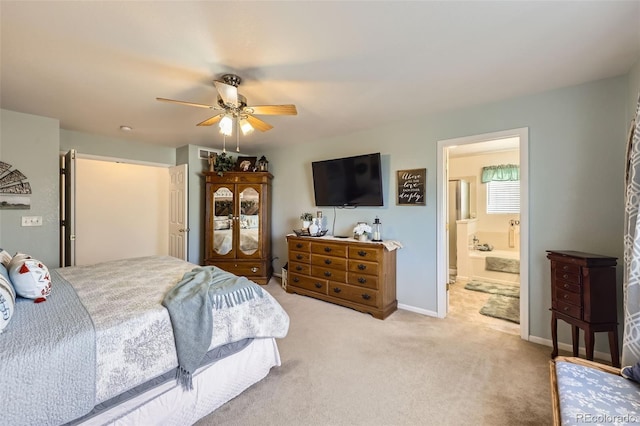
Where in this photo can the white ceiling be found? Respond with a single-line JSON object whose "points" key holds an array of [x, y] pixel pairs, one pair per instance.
{"points": [[347, 66]]}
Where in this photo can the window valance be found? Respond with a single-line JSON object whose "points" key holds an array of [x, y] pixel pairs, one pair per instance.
{"points": [[503, 172]]}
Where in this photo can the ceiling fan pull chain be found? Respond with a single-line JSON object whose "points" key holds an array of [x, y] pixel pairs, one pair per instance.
{"points": [[237, 134]]}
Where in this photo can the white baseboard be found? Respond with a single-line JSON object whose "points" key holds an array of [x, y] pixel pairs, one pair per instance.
{"points": [[417, 310], [606, 356]]}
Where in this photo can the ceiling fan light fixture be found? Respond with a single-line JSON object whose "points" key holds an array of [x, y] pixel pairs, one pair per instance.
{"points": [[226, 125], [245, 126]]}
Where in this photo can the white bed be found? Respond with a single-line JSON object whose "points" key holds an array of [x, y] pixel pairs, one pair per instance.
{"points": [[168, 404], [128, 343]]}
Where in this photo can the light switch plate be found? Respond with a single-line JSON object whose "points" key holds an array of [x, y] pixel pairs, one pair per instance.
{"points": [[31, 220]]}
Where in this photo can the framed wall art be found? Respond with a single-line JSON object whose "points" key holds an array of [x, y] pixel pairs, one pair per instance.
{"points": [[15, 191], [411, 187]]}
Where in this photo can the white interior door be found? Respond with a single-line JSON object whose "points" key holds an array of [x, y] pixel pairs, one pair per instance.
{"points": [[178, 205]]}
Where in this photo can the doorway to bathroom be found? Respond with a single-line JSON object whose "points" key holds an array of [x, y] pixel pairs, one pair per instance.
{"points": [[482, 223]]}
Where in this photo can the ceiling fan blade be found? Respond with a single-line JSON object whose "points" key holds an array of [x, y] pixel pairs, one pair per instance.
{"points": [[187, 103], [259, 124], [211, 121], [228, 93], [272, 110]]}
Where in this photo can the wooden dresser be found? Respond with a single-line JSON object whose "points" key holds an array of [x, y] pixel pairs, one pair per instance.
{"points": [[583, 294], [357, 275]]}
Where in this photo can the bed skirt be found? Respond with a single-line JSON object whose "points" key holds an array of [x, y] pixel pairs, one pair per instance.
{"points": [[214, 385]]}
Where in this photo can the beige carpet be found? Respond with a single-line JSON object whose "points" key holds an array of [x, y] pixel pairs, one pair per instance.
{"points": [[342, 367]]}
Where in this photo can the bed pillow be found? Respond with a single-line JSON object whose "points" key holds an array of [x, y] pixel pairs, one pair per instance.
{"points": [[7, 298], [30, 277], [219, 224]]}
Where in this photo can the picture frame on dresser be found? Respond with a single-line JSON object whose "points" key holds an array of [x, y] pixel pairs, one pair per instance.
{"points": [[246, 164]]}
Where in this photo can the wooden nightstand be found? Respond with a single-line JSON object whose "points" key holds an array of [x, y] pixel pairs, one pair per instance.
{"points": [[583, 294]]}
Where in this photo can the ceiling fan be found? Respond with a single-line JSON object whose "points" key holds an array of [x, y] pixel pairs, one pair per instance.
{"points": [[234, 109]]}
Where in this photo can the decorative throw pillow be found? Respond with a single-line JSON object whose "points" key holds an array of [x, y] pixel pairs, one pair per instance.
{"points": [[30, 277], [7, 298], [5, 258]]}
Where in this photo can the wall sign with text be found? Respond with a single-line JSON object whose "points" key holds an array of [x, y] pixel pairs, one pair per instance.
{"points": [[411, 187]]}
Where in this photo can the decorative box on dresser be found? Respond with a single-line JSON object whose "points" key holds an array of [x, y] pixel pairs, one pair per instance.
{"points": [[358, 275], [583, 294], [237, 223]]}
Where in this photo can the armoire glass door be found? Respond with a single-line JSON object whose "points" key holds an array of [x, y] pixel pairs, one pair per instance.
{"points": [[222, 234], [249, 220]]}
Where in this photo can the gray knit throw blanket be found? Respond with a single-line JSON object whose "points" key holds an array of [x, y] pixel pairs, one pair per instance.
{"points": [[191, 304]]}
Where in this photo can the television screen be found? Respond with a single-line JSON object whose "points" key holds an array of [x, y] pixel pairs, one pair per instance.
{"points": [[350, 181]]}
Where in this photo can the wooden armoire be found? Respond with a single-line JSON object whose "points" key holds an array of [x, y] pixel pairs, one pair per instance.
{"points": [[238, 223]]}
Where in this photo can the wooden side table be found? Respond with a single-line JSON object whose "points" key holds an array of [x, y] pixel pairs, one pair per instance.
{"points": [[583, 294]]}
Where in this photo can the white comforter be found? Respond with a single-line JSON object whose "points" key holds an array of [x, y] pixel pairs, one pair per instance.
{"points": [[134, 337]]}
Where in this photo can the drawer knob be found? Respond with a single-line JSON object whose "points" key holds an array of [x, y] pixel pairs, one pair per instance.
{"points": [[327, 273], [566, 286], [566, 308], [298, 256], [565, 267], [362, 280], [299, 245], [318, 285], [565, 276], [362, 253], [362, 267], [566, 296], [298, 268], [337, 289], [327, 261], [254, 269], [295, 279], [327, 249], [365, 296]]}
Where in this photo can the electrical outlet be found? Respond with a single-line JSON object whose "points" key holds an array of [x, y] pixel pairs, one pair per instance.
{"points": [[31, 220]]}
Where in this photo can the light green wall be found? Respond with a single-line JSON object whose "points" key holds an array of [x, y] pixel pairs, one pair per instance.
{"points": [[577, 139], [86, 143], [576, 162], [31, 144], [634, 90]]}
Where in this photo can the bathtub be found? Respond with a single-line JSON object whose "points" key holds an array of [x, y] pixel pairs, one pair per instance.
{"points": [[476, 263]]}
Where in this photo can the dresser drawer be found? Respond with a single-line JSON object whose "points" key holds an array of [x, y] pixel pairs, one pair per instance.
{"points": [[567, 286], [299, 245], [364, 253], [329, 261], [568, 297], [354, 294], [329, 273], [569, 309], [567, 276], [244, 269], [330, 249], [363, 280], [363, 267], [300, 268], [308, 283], [568, 267], [300, 257]]}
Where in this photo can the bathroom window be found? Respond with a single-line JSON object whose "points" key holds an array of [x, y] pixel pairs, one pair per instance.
{"points": [[503, 197]]}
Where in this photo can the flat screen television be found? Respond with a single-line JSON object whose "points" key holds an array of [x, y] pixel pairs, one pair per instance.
{"points": [[348, 182]]}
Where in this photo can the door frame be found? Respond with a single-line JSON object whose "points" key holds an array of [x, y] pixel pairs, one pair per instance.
{"points": [[441, 215]]}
